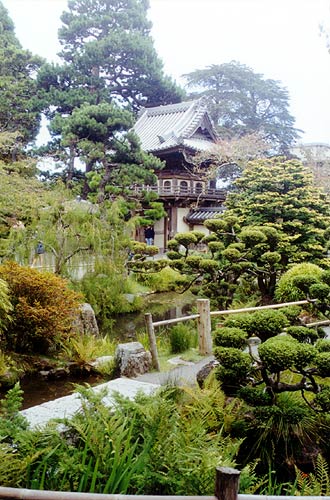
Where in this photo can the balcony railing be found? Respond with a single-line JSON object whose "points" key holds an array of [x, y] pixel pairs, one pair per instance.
{"points": [[179, 191]]}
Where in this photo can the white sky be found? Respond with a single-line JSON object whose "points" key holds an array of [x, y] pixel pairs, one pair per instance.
{"points": [[277, 38]]}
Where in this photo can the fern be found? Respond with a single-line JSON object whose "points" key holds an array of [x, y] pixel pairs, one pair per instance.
{"points": [[317, 483]]}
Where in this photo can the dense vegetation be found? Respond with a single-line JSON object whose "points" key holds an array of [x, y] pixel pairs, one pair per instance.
{"points": [[263, 410]]}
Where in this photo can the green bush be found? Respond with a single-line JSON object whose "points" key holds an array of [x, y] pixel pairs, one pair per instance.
{"points": [[181, 338], [284, 352], [266, 323], [241, 321], [302, 333], [287, 291], [292, 313], [230, 337], [322, 363], [323, 345], [43, 309]]}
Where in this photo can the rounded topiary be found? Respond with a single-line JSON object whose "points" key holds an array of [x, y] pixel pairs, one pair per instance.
{"points": [[302, 333], [278, 353], [319, 291], [323, 345], [266, 323], [241, 321], [186, 239], [304, 356], [230, 337], [322, 363], [286, 291]]}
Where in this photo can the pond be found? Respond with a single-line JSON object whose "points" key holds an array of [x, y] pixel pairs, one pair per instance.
{"points": [[162, 306]]}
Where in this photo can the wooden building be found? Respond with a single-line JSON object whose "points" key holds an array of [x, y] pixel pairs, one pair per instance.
{"points": [[176, 133]]}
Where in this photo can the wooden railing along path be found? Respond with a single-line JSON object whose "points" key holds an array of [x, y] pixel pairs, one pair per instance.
{"points": [[203, 317], [226, 488]]}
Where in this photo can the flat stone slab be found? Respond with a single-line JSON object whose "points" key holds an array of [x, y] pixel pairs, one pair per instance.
{"points": [[67, 406]]}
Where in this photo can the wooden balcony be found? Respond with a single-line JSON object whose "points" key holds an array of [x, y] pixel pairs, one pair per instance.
{"points": [[179, 192]]}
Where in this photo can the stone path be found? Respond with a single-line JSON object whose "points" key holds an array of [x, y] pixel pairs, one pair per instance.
{"points": [[67, 406]]}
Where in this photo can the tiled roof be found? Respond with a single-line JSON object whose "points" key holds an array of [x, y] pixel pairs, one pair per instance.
{"points": [[186, 123], [199, 215]]}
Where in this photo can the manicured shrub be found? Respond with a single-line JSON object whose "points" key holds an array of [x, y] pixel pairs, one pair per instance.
{"points": [[323, 345], [283, 352], [241, 321], [266, 323], [322, 363], [302, 333], [43, 309], [230, 337], [291, 313], [287, 289]]}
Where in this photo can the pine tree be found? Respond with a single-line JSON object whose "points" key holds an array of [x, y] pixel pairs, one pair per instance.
{"points": [[19, 109]]}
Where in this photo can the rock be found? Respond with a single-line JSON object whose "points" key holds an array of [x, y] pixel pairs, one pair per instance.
{"points": [[85, 322], [202, 375], [132, 359]]}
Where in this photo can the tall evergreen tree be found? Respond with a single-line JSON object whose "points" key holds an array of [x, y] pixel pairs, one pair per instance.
{"points": [[108, 55], [19, 108], [108, 60], [242, 102]]}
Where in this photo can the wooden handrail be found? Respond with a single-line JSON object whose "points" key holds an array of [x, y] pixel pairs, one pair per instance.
{"points": [[203, 317]]}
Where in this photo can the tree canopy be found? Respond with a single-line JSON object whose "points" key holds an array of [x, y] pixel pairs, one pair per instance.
{"points": [[108, 55], [19, 107], [244, 102]]}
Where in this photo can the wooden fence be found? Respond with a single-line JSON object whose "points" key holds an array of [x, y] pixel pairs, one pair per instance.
{"points": [[203, 317], [226, 488]]}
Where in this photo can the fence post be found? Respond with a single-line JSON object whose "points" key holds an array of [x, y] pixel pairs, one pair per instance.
{"points": [[204, 326], [226, 483], [152, 341]]}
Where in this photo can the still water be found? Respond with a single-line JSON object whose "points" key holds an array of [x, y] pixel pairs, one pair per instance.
{"points": [[125, 328]]}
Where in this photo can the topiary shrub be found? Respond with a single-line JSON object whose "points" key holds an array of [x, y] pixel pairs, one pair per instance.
{"points": [[287, 291], [241, 321], [292, 313], [323, 345], [230, 337], [303, 334], [322, 363], [266, 323], [43, 309], [234, 368], [283, 352]]}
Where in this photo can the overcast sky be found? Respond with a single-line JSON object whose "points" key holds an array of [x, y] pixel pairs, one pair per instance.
{"points": [[277, 38]]}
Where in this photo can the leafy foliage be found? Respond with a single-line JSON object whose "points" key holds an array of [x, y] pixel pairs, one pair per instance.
{"points": [[43, 307]]}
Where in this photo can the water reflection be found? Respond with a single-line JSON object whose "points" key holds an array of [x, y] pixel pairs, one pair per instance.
{"points": [[162, 306]]}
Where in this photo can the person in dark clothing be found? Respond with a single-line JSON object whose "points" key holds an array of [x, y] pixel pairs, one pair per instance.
{"points": [[149, 235]]}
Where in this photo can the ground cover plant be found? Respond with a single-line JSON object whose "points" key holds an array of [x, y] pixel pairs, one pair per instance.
{"points": [[162, 444]]}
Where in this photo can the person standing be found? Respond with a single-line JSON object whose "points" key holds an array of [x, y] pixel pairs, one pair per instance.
{"points": [[149, 235]]}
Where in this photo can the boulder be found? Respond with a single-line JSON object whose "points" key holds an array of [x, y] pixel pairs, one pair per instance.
{"points": [[204, 372], [85, 322], [132, 359]]}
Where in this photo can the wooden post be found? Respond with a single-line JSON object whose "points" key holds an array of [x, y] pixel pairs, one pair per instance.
{"points": [[226, 483], [204, 326], [152, 341]]}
